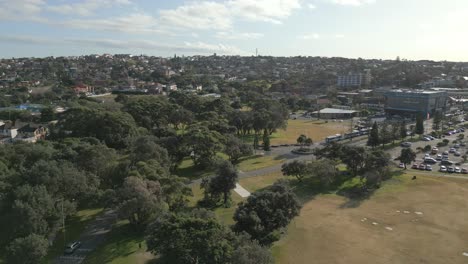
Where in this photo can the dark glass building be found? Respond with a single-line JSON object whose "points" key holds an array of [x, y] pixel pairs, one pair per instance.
{"points": [[414, 102]]}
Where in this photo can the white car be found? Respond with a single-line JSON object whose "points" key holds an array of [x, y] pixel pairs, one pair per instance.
{"points": [[457, 170], [443, 169], [452, 150], [401, 165]]}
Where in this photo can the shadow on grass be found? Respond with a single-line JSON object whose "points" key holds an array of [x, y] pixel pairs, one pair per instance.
{"points": [[121, 242]]}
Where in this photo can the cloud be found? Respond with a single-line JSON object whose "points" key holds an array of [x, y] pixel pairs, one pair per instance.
{"points": [[235, 35], [311, 6], [339, 36], [85, 8], [134, 44], [273, 11], [132, 23], [352, 2], [200, 15], [207, 15], [22, 10], [309, 36]]}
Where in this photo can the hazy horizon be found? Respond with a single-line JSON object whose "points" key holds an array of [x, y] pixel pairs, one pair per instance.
{"points": [[371, 29]]}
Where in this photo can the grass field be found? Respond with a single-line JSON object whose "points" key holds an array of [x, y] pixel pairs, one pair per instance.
{"points": [[318, 130], [74, 227], [332, 229]]}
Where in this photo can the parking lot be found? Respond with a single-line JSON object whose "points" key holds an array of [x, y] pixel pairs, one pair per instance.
{"points": [[420, 156]]}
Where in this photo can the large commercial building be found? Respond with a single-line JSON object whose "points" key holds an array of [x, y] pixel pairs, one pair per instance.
{"points": [[355, 80], [414, 102]]}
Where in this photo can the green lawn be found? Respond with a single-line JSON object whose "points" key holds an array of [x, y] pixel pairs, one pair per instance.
{"points": [[256, 162], [122, 247], [74, 227]]}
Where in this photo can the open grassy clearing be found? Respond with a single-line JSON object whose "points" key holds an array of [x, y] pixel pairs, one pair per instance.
{"points": [[74, 226], [318, 130], [333, 229]]}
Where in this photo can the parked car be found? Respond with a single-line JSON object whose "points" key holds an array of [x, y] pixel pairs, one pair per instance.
{"points": [[406, 144], [426, 139], [457, 146], [446, 162], [445, 153], [430, 161], [451, 169], [443, 169], [457, 154], [428, 167], [70, 248], [401, 165], [422, 166], [463, 144], [434, 150], [452, 150], [427, 155], [464, 171], [439, 157], [415, 166], [457, 170]]}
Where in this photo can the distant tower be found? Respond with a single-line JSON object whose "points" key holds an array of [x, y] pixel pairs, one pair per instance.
{"points": [[256, 52]]}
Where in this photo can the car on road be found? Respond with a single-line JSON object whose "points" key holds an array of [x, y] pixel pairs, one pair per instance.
{"points": [[443, 169], [406, 144], [72, 247], [428, 167], [451, 169], [457, 170]]}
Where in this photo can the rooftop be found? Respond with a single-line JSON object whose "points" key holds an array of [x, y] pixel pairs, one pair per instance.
{"points": [[335, 111]]}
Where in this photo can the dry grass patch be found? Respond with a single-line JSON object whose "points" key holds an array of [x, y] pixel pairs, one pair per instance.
{"points": [[433, 229]]}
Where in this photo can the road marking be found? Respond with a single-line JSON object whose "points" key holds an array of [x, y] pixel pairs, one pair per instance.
{"points": [[241, 191]]}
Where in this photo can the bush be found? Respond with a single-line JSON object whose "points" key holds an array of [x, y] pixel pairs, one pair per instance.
{"points": [[427, 148]]}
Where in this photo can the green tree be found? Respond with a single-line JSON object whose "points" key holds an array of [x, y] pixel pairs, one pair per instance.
{"points": [[255, 142], [373, 139], [407, 156], [204, 144], [224, 181], [296, 168], [403, 130], [436, 122], [139, 201], [266, 143], [180, 239], [354, 157], [301, 140], [47, 114], [235, 148], [324, 169], [27, 250], [419, 129], [265, 212]]}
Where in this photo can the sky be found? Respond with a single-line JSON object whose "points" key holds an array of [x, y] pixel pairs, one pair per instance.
{"points": [[380, 29]]}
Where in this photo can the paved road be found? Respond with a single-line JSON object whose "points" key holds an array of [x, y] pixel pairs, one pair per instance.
{"points": [[93, 236]]}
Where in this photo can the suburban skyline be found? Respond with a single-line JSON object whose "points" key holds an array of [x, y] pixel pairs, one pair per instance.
{"points": [[385, 29]]}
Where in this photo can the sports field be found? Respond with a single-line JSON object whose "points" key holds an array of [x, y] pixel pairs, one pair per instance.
{"points": [[420, 221]]}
